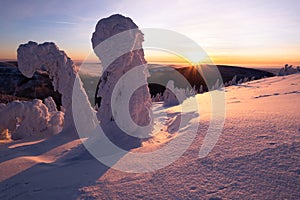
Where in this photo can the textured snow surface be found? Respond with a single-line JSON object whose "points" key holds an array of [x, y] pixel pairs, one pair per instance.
{"points": [[256, 157]]}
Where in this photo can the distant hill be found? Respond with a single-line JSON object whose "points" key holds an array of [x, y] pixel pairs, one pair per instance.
{"points": [[9, 63], [160, 73], [14, 83]]}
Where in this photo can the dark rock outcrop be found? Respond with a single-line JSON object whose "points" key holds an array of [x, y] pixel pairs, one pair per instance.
{"points": [[4, 98], [14, 83]]}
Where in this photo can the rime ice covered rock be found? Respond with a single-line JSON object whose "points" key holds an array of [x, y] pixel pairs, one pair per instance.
{"points": [[33, 57], [26, 118], [173, 96], [117, 42], [50, 103]]}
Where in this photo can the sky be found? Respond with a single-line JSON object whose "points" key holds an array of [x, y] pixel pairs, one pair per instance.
{"points": [[241, 32]]}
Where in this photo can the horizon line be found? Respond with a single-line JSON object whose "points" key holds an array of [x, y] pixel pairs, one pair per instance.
{"points": [[177, 62]]}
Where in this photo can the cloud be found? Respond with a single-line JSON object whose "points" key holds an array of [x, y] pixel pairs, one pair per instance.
{"points": [[59, 22]]}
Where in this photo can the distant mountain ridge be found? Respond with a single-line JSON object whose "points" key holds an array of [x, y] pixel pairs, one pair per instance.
{"points": [[195, 79]]}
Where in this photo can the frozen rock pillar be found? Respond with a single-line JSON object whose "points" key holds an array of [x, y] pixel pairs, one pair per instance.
{"points": [[117, 42]]}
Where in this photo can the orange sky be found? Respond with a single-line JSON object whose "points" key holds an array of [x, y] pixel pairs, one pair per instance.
{"points": [[261, 60]]}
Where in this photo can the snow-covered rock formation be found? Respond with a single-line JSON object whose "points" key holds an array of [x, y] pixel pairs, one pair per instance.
{"points": [[174, 96], [47, 57], [26, 118], [119, 55]]}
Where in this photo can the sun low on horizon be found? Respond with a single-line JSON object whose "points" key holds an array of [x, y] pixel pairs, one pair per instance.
{"points": [[245, 33]]}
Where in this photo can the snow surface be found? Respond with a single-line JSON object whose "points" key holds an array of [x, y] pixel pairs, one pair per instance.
{"points": [[257, 155]]}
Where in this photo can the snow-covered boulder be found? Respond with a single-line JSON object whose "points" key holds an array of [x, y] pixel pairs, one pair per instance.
{"points": [[172, 95], [26, 118], [47, 57], [114, 69]]}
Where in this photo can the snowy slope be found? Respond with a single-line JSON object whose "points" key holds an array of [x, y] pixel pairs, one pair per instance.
{"points": [[257, 155]]}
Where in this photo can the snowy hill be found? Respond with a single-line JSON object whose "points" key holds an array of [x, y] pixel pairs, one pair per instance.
{"points": [[257, 155]]}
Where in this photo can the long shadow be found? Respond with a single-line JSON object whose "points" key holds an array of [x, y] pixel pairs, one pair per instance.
{"points": [[61, 179], [38, 148]]}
